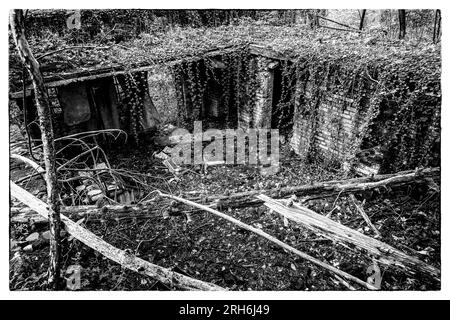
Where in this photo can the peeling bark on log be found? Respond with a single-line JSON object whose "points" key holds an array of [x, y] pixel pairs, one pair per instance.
{"points": [[273, 240], [382, 252], [16, 22], [125, 259], [320, 189], [27, 215]]}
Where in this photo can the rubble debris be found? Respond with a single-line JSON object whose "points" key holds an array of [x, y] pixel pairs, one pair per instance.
{"points": [[33, 237], [164, 154], [172, 166]]}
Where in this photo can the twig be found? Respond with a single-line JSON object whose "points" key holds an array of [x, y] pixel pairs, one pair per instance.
{"points": [[345, 283], [364, 215], [77, 157], [201, 226], [334, 205], [30, 176], [314, 240], [340, 29], [338, 23]]}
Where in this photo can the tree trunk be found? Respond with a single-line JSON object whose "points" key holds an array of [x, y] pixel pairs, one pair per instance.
{"points": [[45, 123], [320, 189], [437, 26], [361, 23], [402, 23]]}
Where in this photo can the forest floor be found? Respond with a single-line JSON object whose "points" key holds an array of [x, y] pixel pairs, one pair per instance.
{"points": [[213, 250]]}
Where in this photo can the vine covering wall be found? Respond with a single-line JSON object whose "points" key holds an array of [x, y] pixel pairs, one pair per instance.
{"points": [[235, 79], [336, 108], [331, 112], [407, 126], [136, 109]]}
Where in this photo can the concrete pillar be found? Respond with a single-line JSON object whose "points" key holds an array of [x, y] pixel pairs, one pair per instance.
{"points": [[262, 113]]}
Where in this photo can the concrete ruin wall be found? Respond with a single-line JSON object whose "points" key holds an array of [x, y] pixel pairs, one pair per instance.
{"points": [[262, 113], [260, 116], [331, 134], [338, 121], [337, 124]]}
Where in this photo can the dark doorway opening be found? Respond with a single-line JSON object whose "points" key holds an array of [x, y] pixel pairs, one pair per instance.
{"points": [[283, 98]]}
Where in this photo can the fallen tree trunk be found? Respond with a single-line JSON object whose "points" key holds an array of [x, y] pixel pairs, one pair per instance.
{"points": [[89, 210], [316, 190], [27, 215], [382, 252], [273, 240], [39, 170], [320, 189], [29, 162], [243, 199], [125, 259]]}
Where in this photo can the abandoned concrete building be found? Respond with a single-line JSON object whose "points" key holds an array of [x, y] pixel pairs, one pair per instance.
{"points": [[340, 117], [344, 193]]}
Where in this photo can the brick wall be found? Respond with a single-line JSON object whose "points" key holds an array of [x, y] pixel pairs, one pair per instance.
{"points": [[328, 129], [332, 134], [303, 131], [336, 125], [262, 113]]}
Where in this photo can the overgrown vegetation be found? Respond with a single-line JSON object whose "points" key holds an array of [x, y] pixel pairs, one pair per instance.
{"points": [[394, 85], [212, 250]]}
